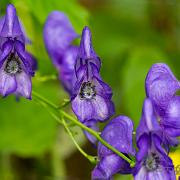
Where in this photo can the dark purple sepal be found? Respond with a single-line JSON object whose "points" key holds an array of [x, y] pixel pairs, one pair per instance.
{"points": [[93, 125], [161, 85], [118, 133], [86, 52], [11, 27]]}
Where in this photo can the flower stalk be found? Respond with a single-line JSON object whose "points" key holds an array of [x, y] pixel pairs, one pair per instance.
{"points": [[92, 132]]}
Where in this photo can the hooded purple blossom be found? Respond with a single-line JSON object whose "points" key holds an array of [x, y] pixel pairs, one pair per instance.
{"points": [[86, 53], [91, 98], [161, 88], [152, 161], [16, 65], [58, 37], [118, 133]]}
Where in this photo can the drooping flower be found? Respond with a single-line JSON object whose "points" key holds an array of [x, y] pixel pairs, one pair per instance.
{"points": [[86, 54], [161, 88], [91, 97], [152, 161], [58, 36], [118, 133], [17, 66]]}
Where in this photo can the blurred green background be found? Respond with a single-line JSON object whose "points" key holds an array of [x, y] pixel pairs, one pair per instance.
{"points": [[128, 35]]}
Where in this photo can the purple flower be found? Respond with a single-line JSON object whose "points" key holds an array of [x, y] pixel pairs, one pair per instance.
{"points": [[161, 88], [91, 97], [118, 133], [152, 161], [58, 37], [16, 65], [86, 53]]}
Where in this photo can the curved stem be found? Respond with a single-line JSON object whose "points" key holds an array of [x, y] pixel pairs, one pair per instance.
{"points": [[96, 134], [91, 131], [92, 159], [38, 96]]}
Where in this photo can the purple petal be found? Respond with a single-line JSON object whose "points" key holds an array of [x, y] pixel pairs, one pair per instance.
{"points": [[148, 122], [24, 85], [86, 51], [142, 174], [66, 69], [6, 50], [158, 175], [107, 167], [102, 88], [32, 61], [118, 133], [143, 144], [1, 23], [161, 85], [7, 83], [171, 118], [93, 125], [103, 108], [58, 35], [82, 73], [82, 108], [25, 57], [11, 27]]}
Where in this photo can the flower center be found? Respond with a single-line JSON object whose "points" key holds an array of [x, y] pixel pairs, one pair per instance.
{"points": [[87, 90], [13, 65], [152, 162]]}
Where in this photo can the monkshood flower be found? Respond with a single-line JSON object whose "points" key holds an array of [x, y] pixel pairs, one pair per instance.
{"points": [[152, 162], [118, 133], [161, 88], [58, 37], [91, 97], [86, 52], [16, 65]]}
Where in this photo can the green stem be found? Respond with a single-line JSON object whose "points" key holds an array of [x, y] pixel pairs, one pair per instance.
{"points": [[65, 103], [92, 132], [92, 159], [38, 96], [96, 134]]}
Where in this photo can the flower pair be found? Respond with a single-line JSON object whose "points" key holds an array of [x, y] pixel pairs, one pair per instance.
{"points": [[17, 66], [79, 71], [159, 125]]}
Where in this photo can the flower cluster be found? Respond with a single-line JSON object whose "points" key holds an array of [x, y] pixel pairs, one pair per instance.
{"points": [[78, 69], [17, 66], [91, 98]]}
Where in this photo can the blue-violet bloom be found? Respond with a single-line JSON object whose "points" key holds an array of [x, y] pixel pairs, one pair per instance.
{"points": [[118, 133], [58, 37], [91, 97], [152, 161], [17, 66], [86, 52], [161, 88]]}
